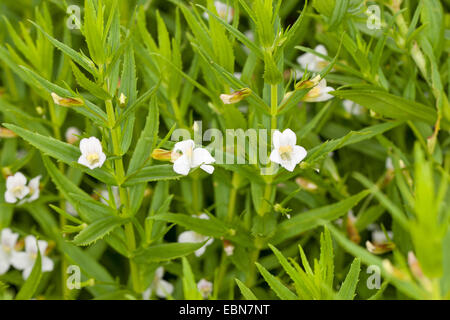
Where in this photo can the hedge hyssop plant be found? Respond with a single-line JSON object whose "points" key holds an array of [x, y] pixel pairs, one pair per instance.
{"points": [[225, 150]]}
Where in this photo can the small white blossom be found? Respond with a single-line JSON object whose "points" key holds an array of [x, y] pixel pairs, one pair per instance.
{"points": [[16, 188], [163, 288], [378, 236], [229, 249], [223, 11], [192, 236], [92, 155], [319, 93], [105, 196], [33, 186], [72, 134], [7, 243], [285, 151], [191, 157], [122, 99], [70, 209], [205, 287], [312, 62], [352, 108], [26, 260]]}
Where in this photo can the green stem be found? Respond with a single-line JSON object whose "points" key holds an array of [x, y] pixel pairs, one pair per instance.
{"points": [[233, 195], [62, 219], [120, 174]]}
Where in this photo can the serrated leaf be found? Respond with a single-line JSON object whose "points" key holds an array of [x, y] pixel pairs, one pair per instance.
{"points": [[166, 251], [97, 230], [280, 289], [348, 287]]}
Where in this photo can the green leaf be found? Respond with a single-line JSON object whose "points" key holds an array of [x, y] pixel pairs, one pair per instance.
{"points": [[313, 218], [147, 140], [30, 286], [152, 173], [208, 227], [348, 287], [282, 292], [166, 251], [246, 292], [339, 11], [390, 105], [97, 230], [189, 285], [82, 60], [89, 85]]}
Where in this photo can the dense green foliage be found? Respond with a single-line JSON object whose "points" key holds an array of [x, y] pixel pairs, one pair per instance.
{"points": [[370, 198]]}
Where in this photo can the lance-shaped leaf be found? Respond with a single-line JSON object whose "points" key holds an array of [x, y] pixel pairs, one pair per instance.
{"points": [[313, 218], [166, 251], [97, 230]]}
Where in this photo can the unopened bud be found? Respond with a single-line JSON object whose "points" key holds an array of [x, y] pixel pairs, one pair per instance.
{"points": [[351, 228], [6, 133], [236, 96], [379, 248], [163, 155], [66, 102]]}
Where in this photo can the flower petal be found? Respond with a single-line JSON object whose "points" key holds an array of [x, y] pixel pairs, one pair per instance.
{"points": [[288, 138], [9, 197], [21, 260], [184, 146], [299, 153], [276, 139], [182, 165], [201, 156], [164, 288], [9, 238], [207, 168], [275, 156], [188, 236]]}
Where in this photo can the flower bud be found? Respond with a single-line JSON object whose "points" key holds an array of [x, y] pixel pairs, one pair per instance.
{"points": [[380, 248], [6, 133], [236, 96], [351, 228], [66, 102], [163, 155]]}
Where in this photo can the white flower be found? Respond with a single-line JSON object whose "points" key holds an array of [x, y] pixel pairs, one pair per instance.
{"points": [[105, 196], [92, 155], [378, 236], [229, 249], [388, 164], [312, 62], [352, 108], [25, 260], [122, 99], [191, 157], [163, 288], [205, 287], [70, 209], [319, 93], [7, 243], [72, 134], [192, 236], [16, 188], [223, 11], [285, 151], [33, 186]]}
